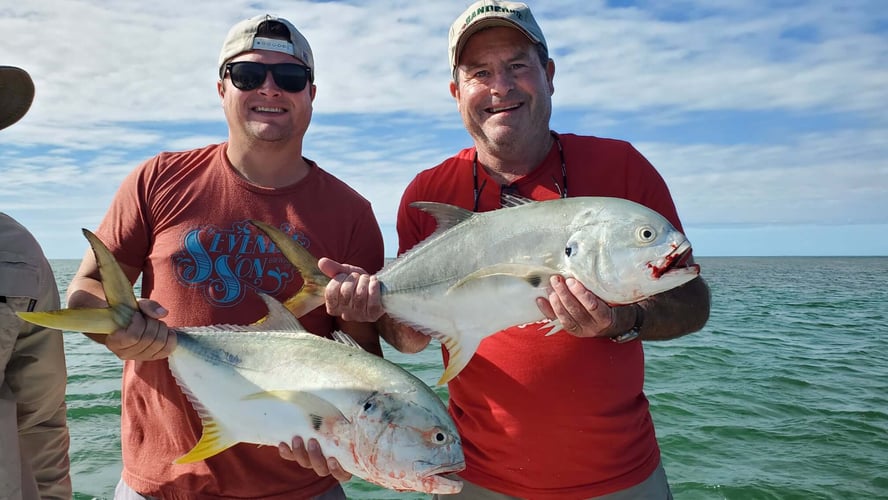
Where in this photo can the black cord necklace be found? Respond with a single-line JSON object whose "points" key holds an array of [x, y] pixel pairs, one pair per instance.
{"points": [[562, 188]]}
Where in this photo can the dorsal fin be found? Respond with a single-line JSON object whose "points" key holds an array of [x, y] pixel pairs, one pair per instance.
{"points": [[344, 338], [509, 200], [446, 215]]}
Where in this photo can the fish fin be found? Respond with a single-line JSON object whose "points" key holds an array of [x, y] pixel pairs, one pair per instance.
{"points": [[117, 287], [311, 295], [446, 215], [509, 200], [555, 326], [74, 320], [344, 338], [535, 276], [213, 441], [317, 408], [122, 303], [459, 352], [279, 318], [215, 438]]}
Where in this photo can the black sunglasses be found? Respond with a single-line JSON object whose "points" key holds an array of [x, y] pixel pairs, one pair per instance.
{"points": [[250, 75]]}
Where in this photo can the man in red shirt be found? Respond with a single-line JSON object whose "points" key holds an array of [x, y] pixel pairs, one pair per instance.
{"points": [[181, 222], [540, 417]]}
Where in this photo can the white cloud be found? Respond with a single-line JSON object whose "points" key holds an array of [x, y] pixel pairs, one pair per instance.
{"points": [[119, 81]]}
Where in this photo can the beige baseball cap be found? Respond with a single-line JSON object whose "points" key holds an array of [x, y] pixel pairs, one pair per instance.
{"points": [[487, 13], [16, 94], [242, 38]]}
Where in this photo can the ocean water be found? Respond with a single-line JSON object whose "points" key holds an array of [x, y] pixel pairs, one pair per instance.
{"points": [[783, 395]]}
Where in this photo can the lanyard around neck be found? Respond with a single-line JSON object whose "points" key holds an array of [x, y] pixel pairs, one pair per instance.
{"points": [[562, 188]]}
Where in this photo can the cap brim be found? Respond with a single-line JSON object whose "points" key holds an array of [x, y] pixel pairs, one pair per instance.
{"points": [[16, 94], [479, 25]]}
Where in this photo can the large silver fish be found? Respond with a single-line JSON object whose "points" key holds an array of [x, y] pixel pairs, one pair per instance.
{"points": [[482, 272], [267, 382]]}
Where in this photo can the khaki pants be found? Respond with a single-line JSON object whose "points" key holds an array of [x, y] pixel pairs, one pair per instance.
{"points": [[124, 492], [33, 428], [655, 487]]}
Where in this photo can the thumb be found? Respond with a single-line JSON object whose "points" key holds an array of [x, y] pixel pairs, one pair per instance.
{"points": [[152, 309], [331, 268]]}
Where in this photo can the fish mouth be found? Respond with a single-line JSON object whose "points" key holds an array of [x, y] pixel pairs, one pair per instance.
{"points": [[426, 469], [434, 482], [674, 262]]}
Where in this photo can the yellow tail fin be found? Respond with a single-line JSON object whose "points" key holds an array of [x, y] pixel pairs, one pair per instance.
{"points": [[311, 295], [118, 293]]}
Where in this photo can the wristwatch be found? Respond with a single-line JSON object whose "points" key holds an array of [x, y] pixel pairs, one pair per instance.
{"points": [[633, 333]]}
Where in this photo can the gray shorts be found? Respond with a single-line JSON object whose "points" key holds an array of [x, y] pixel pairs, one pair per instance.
{"points": [[655, 487], [124, 492]]}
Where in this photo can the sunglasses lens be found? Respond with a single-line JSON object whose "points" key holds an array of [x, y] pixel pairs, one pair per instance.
{"points": [[290, 77], [248, 75]]}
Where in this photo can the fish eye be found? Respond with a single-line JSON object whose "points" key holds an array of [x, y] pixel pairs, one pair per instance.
{"points": [[440, 437], [367, 406], [571, 249], [646, 234]]}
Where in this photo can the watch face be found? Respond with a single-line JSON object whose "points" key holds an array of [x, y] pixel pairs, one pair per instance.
{"points": [[626, 337]]}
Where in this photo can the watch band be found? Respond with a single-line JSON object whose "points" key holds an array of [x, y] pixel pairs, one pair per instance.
{"points": [[635, 331]]}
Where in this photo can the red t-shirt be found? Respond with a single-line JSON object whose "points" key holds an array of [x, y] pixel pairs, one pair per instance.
{"points": [[183, 218], [549, 417]]}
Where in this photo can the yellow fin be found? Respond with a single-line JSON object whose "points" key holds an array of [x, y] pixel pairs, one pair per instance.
{"points": [[212, 442], [535, 276], [311, 295], [119, 294], [459, 352], [74, 320], [117, 287]]}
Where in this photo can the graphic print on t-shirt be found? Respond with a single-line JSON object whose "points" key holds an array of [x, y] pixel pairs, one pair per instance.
{"points": [[227, 263]]}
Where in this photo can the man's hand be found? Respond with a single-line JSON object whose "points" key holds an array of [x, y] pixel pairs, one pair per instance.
{"points": [[580, 311], [352, 294], [146, 338], [311, 457]]}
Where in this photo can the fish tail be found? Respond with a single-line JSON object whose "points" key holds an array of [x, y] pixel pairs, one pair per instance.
{"points": [[311, 295], [74, 320], [118, 293]]}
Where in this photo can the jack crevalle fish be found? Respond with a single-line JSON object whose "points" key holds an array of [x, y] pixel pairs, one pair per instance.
{"points": [[267, 382], [480, 273]]}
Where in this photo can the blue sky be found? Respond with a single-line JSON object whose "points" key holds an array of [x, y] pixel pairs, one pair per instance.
{"points": [[768, 119]]}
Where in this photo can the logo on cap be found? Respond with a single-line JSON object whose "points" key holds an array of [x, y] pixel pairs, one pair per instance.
{"points": [[273, 44]]}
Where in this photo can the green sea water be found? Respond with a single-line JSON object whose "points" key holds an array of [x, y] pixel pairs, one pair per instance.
{"points": [[784, 394]]}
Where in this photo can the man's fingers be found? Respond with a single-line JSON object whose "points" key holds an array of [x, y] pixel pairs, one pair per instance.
{"points": [[317, 458], [337, 471]]}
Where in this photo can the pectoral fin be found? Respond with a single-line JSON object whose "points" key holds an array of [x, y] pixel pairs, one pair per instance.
{"points": [[319, 410], [535, 276]]}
